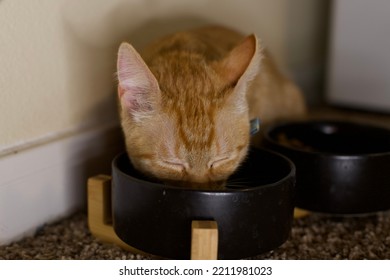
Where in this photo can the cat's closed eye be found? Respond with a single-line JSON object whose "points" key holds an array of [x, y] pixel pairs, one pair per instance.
{"points": [[175, 165], [218, 162], [181, 166]]}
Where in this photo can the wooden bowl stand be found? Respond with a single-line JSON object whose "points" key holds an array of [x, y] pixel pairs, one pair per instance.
{"points": [[204, 234]]}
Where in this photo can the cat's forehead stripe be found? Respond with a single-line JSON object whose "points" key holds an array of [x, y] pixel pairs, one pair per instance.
{"points": [[196, 128]]}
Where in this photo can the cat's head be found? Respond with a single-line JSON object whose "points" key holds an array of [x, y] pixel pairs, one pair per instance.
{"points": [[186, 120]]}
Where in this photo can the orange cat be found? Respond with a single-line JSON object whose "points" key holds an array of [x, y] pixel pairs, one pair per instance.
{"points": [[187, 100]]}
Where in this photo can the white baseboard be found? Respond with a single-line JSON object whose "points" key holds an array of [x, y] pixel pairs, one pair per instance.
{"points": [[47, 182]]}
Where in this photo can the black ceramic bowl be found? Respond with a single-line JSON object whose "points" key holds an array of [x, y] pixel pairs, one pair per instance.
{"points": [[342, 167], [256, 218]]}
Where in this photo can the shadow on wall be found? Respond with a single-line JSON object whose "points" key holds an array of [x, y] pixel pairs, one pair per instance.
{"points": [[156, 28], [90, 78], [307, 45]]}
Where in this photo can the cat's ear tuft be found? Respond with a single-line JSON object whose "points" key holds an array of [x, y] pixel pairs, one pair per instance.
{"points": [[243, 61], [138, 89]]}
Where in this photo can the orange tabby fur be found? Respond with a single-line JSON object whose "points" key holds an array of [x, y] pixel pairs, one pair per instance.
{"points": [[187, 100]]}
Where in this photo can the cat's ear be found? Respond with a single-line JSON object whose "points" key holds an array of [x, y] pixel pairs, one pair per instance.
{"points": [[239, 68], [138, 89], [242, 64]]}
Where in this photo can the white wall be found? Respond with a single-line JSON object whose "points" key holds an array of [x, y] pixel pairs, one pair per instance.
{"points": [[53, 80], [58, 120]]}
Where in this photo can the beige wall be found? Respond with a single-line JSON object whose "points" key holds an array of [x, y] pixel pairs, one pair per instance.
{"points": [[57, 57]]}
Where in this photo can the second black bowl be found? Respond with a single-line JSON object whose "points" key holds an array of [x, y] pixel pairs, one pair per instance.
{"points": [[342, 167]]}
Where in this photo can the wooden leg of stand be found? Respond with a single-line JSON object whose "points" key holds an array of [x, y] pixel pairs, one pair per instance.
{"points": [[99, 212], [204, 240]]}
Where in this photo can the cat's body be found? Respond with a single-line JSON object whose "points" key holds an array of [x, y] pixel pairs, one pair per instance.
{"points": [[186, 104]]}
